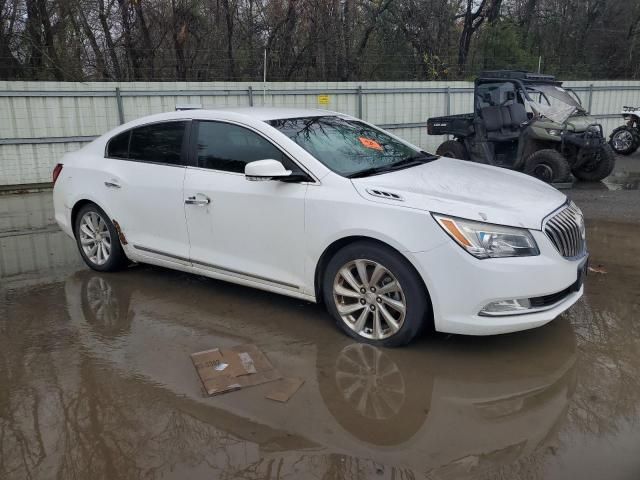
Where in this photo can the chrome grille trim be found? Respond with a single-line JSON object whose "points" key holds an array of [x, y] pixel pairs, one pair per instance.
{"points": [[565, 229]]}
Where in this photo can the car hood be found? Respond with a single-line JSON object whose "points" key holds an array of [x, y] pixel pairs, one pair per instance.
{"points": [[466, 189]]}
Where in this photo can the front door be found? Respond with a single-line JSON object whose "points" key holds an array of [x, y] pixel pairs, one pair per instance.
{"points": [[252, 230]]}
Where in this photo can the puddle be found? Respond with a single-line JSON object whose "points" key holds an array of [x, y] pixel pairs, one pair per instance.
{"points": [[617, 181], [96, 381], [623, 181]]}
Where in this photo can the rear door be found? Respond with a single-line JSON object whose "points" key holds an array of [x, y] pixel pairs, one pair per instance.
{"points": [[253, 230], [145, 188]]}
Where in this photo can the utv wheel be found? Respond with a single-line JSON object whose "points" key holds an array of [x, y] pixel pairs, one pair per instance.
{"points": [[375, 295], [599, 167], [98, 240], [452, 149], [624, 140], [547, 165]]}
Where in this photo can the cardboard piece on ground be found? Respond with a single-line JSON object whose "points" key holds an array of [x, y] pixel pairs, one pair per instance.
{"points": [[228, 369], [284, 389]]}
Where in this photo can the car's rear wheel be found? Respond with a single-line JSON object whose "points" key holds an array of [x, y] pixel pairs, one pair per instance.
{"points": [[98, 240], [453, 149], [375, 295]]}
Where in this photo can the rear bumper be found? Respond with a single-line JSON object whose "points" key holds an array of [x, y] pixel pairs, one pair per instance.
{"points": [[461, 286], [62, 212]]}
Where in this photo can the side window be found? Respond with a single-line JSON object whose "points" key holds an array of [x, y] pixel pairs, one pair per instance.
{"points": [[118, 146], [228, 147], [159, 142]]}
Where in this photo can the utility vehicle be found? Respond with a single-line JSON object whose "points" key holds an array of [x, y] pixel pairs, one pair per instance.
{"points": [[530, 123], [626, 139]]}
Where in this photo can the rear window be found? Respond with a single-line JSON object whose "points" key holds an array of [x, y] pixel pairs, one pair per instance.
{"points": [[118, 146], [158, 143]]}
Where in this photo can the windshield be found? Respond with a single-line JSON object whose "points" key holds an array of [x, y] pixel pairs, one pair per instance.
{"points": [[348, 147], [553, 96]]}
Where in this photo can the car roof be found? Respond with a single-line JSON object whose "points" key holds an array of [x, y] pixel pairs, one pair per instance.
{"points": [[268, 113], [249, 114]]}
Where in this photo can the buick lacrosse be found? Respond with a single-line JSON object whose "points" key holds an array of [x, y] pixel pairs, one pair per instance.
{"points": [[328, 208]]}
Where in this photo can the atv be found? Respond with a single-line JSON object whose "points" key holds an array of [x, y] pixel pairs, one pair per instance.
{"points": [[527, 122], [626, 139]]}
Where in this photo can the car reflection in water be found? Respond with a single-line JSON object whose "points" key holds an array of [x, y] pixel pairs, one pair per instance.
{"points": [[452, 407]]}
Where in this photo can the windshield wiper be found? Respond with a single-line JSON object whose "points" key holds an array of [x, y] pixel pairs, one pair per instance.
{"points": [[412, 161], [423, 157]]}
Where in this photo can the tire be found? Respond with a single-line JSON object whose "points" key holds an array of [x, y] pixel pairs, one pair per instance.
{"points": [[601, 166], [452, 149], [547, 165], [361, 309], [624, 140], [108, 241]]}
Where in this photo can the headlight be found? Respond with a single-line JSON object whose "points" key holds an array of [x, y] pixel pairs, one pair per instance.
{"points": [[485, 240], [554, 131]]}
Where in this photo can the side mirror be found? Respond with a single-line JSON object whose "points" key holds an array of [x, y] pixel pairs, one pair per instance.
{"points": [[265, 170], [511, 95]]}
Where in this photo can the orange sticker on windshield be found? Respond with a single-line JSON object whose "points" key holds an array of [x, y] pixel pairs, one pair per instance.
{"points": [[367, 142]]}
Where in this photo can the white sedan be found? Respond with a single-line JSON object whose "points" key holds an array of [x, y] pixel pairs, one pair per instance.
{"points": [[325, 207]]}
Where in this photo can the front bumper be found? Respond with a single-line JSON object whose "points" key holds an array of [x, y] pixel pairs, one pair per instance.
{"points": [[461, 285], [591, 139]]}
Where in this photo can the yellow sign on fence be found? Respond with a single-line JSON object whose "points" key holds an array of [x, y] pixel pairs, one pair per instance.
{"points": [[323, 99]]}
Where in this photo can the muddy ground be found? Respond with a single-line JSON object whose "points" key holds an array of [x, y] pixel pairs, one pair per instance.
{"points": [[96, 380]]}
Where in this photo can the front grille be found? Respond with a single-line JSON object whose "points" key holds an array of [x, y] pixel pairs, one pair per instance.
{"points": [[566, 231]]}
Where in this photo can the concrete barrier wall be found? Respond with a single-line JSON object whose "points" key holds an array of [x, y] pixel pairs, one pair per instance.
{"points": [[40, 121]]}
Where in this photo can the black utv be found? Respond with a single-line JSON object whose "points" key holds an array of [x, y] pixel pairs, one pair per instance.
{"points": [[530, 123]]}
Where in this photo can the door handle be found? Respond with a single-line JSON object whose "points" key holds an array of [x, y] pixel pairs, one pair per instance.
{"points": [[200, 202], [111, 184]]}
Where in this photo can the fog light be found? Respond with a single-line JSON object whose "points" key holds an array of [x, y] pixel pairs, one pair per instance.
{"points": [[506, 307]]}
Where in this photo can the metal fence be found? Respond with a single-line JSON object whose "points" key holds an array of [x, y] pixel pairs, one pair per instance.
{"points": [[40, 121]]}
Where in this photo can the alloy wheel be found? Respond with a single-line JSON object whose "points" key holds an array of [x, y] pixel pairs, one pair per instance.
{"points": [[369, 299], [622, 140], [95, 238]]}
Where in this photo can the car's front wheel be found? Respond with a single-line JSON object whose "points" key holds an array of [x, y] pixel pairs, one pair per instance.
{"points": [[375, 295], [98, 240]]}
